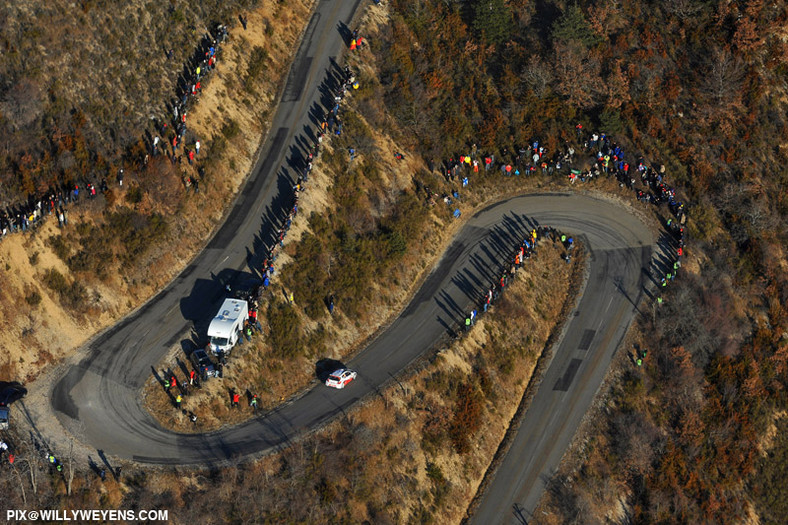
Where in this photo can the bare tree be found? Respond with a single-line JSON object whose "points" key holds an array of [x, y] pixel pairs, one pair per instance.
{"points": [[32, 465], [683, 9], [70, 468], [577, 74], [724, 75], [537, 76], [21, 484], [22, 103]]}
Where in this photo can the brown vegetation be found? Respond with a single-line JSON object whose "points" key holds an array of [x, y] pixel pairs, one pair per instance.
{"points": [[121, 247], [698, 87], [357, 220], [395, 459]]}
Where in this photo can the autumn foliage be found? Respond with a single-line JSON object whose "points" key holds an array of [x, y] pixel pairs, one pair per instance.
{"points": [[698, 87]]}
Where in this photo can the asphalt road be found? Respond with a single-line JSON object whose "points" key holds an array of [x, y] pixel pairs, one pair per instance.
{"points": [[621, 248], [98, 399], [101, 394]]}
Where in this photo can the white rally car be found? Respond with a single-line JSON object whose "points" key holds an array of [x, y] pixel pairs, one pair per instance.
{"points": [[340, 378]]}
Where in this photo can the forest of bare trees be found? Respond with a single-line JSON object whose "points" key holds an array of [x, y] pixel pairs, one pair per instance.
{"points": [[696, 435], [700, 87]]}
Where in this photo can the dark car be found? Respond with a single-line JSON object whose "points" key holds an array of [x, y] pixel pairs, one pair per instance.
{"points": [[9, 392], [249, 291], [203, 364]]}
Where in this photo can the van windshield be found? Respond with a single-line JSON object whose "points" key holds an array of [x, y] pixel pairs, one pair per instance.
{"points": [[219, 341]]}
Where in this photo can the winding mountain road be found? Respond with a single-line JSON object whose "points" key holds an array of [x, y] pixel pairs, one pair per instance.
{"points": [[99, 399]]}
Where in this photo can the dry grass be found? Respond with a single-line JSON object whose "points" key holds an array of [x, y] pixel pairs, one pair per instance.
{"points": [[402, 471], [263, 374], [36, 336]]}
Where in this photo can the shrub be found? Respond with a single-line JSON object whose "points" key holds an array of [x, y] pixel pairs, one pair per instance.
{"points": [[216, 150], [135, 231], [326, 491], [467, 417], [285, 335], [396, 244], [256, 66], [434, 430], [610, 121], [59, 246], [573, 26], [33, 298], [435, 473], [72, 295], [134, 194], [231, 129], [55, 280], [110, 197], [306, 276]]}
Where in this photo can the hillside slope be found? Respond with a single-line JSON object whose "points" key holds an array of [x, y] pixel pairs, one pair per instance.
{"points": [[65, 284]]}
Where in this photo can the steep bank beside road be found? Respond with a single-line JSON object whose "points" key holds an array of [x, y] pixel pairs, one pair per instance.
{"points": [[48, 305], [619, 245], [310, 466]]}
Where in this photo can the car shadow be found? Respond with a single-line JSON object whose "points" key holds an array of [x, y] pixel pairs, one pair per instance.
{"points": [[324, 367], [11, 391]]}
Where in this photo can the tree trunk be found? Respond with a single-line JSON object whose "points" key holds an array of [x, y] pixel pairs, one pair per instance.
{"points": [[21, 484], [70, 469], [32, 467]]}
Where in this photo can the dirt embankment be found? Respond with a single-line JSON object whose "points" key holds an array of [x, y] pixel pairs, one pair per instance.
{"points": [[46, 315], [254, 368]]}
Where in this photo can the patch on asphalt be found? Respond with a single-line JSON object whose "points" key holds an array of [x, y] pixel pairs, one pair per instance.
{"points": [[563, 384], [297, 80], [585, 341]]}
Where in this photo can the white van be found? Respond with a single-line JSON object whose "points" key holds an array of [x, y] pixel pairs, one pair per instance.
{"points": [[226, 327]]}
